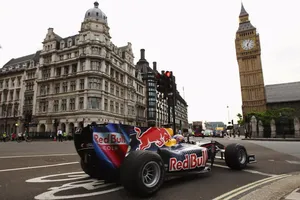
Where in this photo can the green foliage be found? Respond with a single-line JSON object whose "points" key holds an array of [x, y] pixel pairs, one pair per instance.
{"points": [[241, 120], [275, 114]]}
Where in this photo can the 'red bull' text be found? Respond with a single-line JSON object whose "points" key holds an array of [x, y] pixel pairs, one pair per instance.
{"points": [[109, 138], [191, 161]]}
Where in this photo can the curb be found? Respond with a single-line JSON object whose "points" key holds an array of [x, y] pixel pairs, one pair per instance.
{"points": [[274, 139], [277, 190]]}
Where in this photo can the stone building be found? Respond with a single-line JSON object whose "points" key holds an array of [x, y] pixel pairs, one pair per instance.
{"points": [[256, 97], [248, 52], [74, 81], [157, 112]]}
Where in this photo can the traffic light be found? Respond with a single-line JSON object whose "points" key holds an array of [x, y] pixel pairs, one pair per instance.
{"points": [[169, 81], [161, 83]]}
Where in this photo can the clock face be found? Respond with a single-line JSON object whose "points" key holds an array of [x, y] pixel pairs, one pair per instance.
{"points": [[247, 44]]}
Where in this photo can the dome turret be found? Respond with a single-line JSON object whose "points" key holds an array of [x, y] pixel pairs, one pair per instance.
{"points": [[95, 14]]}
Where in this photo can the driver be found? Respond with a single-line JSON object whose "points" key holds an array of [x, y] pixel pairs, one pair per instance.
{"points": [[179, 139]]}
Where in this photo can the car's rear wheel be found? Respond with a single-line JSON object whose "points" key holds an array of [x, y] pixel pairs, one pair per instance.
{"points": [[142, 173], [236, 156]]}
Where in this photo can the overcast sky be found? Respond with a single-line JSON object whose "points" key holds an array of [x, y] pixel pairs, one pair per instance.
{"points": [[193, 38]]}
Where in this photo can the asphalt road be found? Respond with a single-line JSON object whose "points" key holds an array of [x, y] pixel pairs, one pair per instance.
{"points": [[36, 171]]}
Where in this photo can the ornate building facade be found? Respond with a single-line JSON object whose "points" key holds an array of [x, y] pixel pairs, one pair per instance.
{"points": [[157, 108], [248, 52], [73, 81]]}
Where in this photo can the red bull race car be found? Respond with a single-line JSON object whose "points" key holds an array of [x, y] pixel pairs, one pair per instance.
{"points": [[141, 158]]}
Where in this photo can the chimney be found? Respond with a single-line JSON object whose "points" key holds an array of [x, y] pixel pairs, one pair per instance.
{"points": [[154, 66], [50, 30], [142, 53]]}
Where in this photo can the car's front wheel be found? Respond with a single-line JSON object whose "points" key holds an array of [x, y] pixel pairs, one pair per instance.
{"points": [[142, 173], [236, 156]]}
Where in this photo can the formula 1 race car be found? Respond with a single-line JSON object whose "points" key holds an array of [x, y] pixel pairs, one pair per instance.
{"points": [[140, 158]]}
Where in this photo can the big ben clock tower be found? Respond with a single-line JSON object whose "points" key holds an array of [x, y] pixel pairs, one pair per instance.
{"points": [[248, 54]]}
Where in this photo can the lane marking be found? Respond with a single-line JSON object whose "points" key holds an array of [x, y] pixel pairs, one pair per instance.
{"points": [[293, 162], [254, 186], [248, 187], [246, 170], [36, 167], [32, 156]]}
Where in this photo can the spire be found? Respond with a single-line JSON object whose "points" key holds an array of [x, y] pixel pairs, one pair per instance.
{"points": [[96, 4], [243, 11], [245, 23]]}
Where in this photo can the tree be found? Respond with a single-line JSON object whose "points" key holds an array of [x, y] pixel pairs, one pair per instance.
{"points": [[241, 120], [268, 115]]}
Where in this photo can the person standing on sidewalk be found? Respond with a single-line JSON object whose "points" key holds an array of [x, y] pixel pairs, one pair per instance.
{"points": [[59, 135]]}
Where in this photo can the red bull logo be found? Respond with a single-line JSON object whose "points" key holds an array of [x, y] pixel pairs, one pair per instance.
{"points": [[113, 145], [153, 135], [109, 141], [191, 161]]}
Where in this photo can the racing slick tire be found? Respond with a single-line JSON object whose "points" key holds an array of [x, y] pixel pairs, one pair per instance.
{"points": [[236, 156], [142, 173]]}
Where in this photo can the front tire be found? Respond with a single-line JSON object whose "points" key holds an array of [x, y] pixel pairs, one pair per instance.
{"points": [[142, 173], [236, 156]]}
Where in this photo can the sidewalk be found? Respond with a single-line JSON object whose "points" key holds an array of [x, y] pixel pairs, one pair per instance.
{"points": [[274, 139], [283, 189]]}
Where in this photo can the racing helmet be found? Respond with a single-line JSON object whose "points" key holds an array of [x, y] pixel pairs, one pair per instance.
{"points": [[179, 138]]}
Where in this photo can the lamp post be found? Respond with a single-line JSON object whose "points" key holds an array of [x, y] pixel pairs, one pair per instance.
{"points": [[228, 114]]}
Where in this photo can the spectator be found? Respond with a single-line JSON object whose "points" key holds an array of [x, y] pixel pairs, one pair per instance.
{"points": [[59, 135]]}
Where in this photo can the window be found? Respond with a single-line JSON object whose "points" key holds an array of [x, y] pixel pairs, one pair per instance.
{"points": [[72, 104], [64, 105], [57, 88], [61, 57], [112, 89], [73, 85], [112, 106], [70, 43], [74, 68], [106, 86], [96, 66], [105, 104], [11, 95], [17, 94], [66, 69], [43, 107], [46, 73], [42, 90], [82, 65], [117, 91], [82, 84], [122, 92], [81, 101], [58, 71], [19, 82], [117, 108], [94, 102], [122, 108], [65, 86], [56, 104]]}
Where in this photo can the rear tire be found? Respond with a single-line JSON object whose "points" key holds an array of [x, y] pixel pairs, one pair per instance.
{"points": [[236, 156], [142, 173]]}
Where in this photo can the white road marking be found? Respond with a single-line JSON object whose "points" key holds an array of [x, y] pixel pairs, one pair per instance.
{"points": [[246, 170], [71, 176], [293, 162], [33, 156], [36, 167], [233, 193]]}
